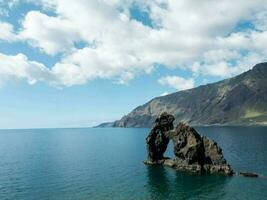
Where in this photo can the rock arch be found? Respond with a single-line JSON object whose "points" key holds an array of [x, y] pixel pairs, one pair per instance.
{"points": [[192, 152]]}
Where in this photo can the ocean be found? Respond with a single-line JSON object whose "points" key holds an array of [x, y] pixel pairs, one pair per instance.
{"points": [[107, 163]]}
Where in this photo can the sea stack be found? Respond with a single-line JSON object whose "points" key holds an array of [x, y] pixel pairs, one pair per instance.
{"points": [[193, 153], [158, 138]]}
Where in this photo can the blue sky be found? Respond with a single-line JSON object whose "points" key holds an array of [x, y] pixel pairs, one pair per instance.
{"points": [[77, 63]]}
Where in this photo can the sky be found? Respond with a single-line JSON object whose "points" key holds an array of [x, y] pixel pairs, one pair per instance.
{"points": [[77, 63]]}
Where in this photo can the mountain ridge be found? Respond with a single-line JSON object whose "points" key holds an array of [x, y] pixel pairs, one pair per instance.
{"points": [[241, 100]]}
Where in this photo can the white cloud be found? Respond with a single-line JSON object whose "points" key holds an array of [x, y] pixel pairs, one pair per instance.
{"points": [[6, 6], [179, 83], [7, 32], [50, 34], [18, 67], [164, 94], [260, 20], [198, 36], [12, 3], [3, 12]]}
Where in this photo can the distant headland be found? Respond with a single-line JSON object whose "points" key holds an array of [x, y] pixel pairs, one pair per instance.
{"points": [[241, 100]]}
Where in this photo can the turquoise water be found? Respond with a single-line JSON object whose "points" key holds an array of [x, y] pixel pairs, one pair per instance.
{"points": [[107, 164]]}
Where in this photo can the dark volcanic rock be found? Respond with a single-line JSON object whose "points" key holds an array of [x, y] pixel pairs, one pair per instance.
{"points": [[197, 154], [249, 174], [158, 140], [193, 152], [213, 153], [188, 144]]}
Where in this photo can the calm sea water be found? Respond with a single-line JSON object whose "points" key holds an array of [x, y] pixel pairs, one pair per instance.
{"points": [[107, 164]]}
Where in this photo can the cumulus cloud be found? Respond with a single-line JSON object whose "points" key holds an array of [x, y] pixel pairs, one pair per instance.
{"points": [[3, 12], [6, 6], [164, 94], [50, 34], [198, 36], [18, 67], [179, 83], [7, 32]]}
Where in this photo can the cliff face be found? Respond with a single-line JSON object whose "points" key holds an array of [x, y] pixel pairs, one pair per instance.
{"points": [[241, 100]]}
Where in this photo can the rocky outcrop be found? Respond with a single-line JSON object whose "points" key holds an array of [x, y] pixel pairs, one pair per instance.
{"points": [[158, 139], [193, 152], [196, 153], [188, 144], [248, 174]]}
